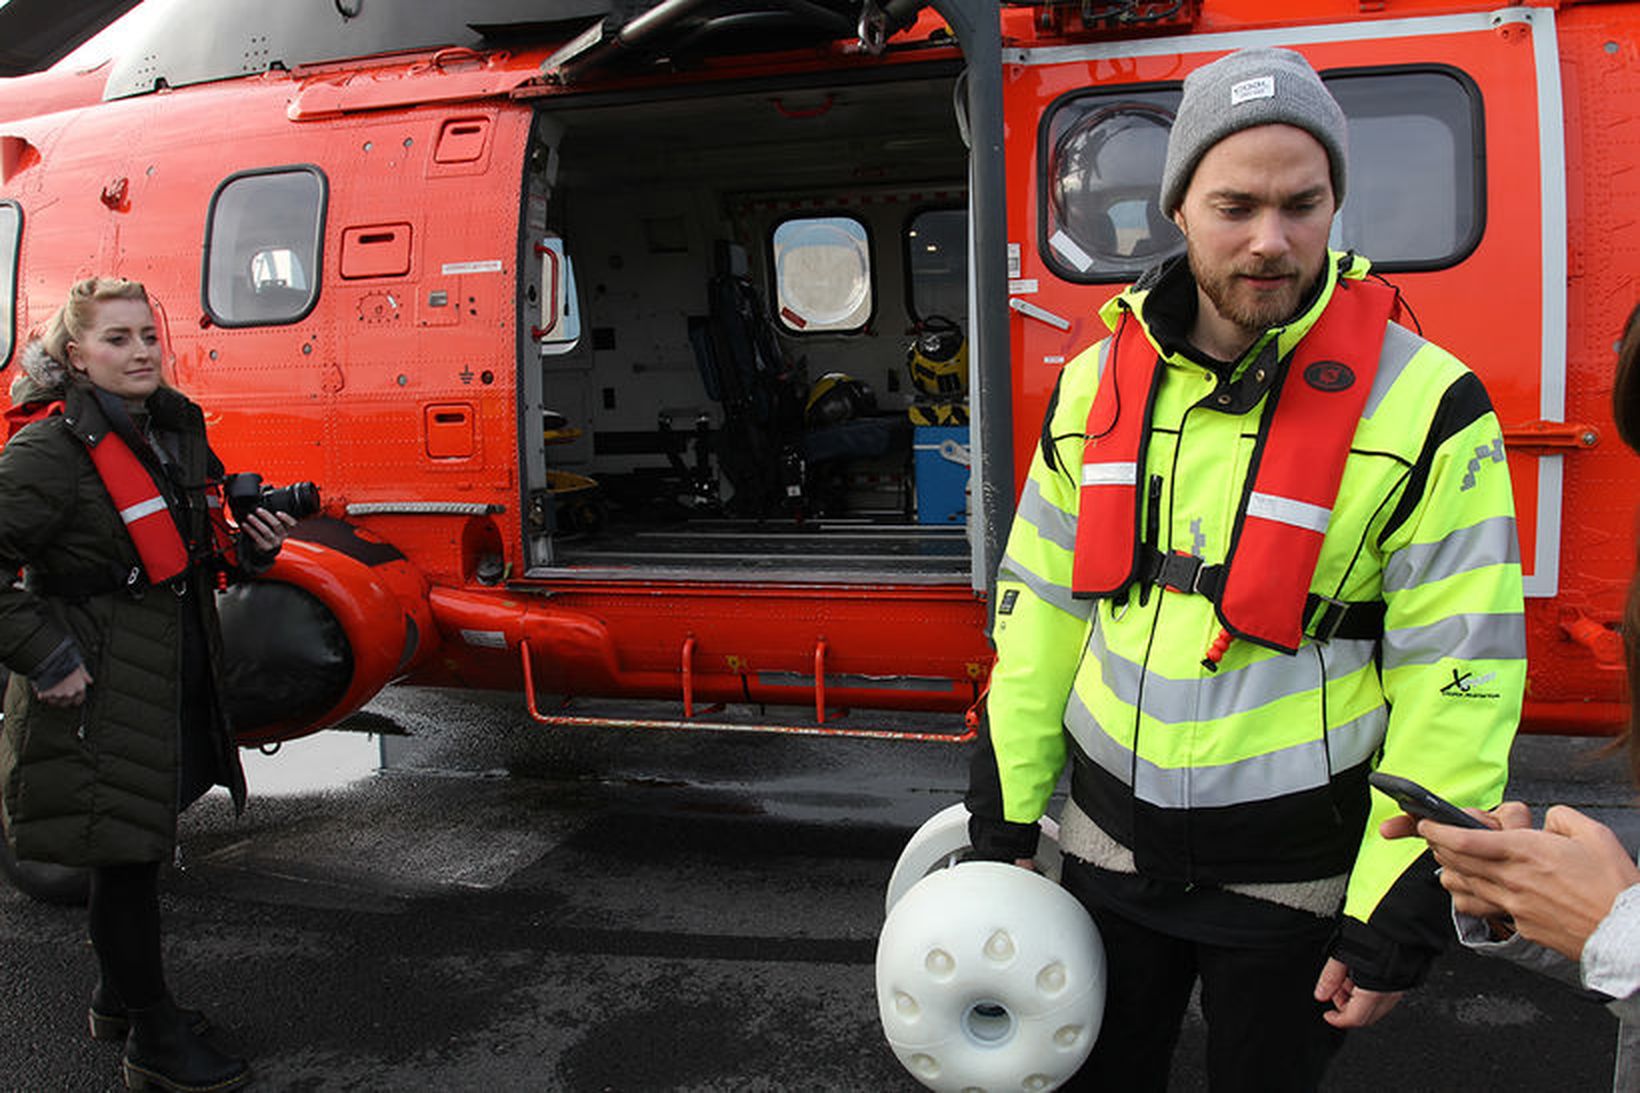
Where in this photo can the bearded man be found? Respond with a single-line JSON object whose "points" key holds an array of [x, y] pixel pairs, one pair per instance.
{"points": [[1266, 530]]}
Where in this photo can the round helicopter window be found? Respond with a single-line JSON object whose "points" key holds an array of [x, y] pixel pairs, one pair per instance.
{"points": [[822, 273], [1104, 178]]}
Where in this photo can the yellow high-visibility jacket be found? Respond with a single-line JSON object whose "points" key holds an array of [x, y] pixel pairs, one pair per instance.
{"points": [[1256, 772]]}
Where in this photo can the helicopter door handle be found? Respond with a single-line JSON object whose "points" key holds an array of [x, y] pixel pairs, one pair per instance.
{"points": [[1550, 436], [550, 303], [1040, 314]]}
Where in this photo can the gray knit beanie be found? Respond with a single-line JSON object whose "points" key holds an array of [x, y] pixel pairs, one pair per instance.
{"points": [[1246, 88]]}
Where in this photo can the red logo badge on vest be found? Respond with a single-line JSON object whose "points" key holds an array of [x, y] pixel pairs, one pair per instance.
{"points": [[1329, 376]]}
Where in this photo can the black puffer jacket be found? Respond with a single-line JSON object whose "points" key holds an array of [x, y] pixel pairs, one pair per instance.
{"points": [[102, 783]]}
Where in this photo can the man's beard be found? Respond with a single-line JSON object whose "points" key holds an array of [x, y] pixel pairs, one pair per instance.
{"points": [[1250, 310]]}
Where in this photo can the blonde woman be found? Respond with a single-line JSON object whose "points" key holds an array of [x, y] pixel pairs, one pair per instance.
{"points": [[110, 504]]}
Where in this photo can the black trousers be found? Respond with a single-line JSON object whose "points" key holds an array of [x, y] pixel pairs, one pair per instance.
{"points": [[125, 930], [1265, 1032]]}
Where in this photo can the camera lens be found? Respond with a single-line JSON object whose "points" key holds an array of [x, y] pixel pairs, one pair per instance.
{"points": [[246, 494], [300, 499]]}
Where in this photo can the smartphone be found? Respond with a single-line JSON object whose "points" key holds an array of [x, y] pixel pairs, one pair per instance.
{"points": [[1417, 801]]}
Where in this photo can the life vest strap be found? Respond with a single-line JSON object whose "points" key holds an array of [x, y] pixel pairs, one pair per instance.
{"points": [[1328, 618], [1325, 618], [83, 584]]}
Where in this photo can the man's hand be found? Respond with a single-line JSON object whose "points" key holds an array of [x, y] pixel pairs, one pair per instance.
{"points": [[1353, 1007], [1556, 884]]}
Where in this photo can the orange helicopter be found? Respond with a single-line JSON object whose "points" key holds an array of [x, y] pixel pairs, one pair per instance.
{"points": [[590, 318]]}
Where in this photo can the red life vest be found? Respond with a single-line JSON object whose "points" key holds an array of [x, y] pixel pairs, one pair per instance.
{"points": [[1299, 461], [138, 500]]}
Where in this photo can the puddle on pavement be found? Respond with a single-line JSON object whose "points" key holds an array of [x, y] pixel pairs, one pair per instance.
{"points": [[312, 764], [361, 745]]}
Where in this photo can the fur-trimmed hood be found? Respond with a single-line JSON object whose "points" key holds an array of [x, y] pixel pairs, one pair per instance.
{"points": [[41, 376]]}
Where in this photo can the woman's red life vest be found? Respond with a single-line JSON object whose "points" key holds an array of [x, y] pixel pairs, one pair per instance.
{"points": [[142, 508], [138, 500], [1308, 424]]}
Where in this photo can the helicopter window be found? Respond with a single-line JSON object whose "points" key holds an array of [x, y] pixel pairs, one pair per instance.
{"points": [[11, 223], [1417, 186], [1104, 154], [262, 246], [936, 257], [822, 274], [1416, 193]]}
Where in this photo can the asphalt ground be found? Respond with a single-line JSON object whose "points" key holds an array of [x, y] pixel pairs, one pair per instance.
{"points": [[454, 898]]}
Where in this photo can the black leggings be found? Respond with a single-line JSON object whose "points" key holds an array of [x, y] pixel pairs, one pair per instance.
{"points": [[124, 922]]}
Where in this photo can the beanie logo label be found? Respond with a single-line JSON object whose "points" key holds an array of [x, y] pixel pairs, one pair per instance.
{"points": [[1329, 376], [1247, 90]]}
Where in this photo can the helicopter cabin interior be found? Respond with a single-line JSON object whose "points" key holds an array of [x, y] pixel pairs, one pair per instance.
{"points": [[749, 317]]}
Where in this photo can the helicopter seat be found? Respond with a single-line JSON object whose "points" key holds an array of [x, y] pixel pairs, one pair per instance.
{"points": [[744, 369]]}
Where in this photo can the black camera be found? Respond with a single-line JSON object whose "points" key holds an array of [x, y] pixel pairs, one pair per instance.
{"points": [[246, 494]]}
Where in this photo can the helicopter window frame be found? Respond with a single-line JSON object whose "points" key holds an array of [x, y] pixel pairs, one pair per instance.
{"points": [[1472, 156], [1079, 263], [908, 229], [287, 253], [10, 250], [784, 314]]}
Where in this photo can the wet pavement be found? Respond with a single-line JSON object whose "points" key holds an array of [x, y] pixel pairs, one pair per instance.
{"points": [[453, 897]]}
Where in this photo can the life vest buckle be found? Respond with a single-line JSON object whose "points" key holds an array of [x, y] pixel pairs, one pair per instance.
{"points": [[1179, 572], [1329, 618]]}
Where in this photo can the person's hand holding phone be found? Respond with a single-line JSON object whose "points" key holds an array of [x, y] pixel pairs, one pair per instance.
{"points": [[1427, 815], [1553, 885], [1509, 816]]}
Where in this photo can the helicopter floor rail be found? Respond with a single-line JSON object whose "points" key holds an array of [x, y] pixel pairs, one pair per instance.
{"points": [[688, 723]]}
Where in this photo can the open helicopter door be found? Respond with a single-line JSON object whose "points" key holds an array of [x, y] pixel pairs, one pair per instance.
{"points": [[1457, 192], [550, 333]]}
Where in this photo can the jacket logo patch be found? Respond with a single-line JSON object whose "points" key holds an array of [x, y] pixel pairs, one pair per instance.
{"points": [[1492, 452], [1329, 376], [1469, 685], [1006, 607]]}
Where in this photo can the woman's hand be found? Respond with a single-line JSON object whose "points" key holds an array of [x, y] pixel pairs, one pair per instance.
{"points": [[1509, 816], [1556, 884], [267, 529], [68, 691]]}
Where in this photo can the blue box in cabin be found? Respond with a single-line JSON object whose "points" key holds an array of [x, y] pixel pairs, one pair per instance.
{"points": [[942, 473]]}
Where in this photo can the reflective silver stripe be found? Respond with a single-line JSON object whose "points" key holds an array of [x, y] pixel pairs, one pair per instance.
{"points": [[1400, 346], [1490, 542], [1284, 510], [1104, 355], [1110, 474], [1050, 521], [1461, 637], [1226, 693], [1055, 594], [1293, 769], [212, 501], [142, 508]]}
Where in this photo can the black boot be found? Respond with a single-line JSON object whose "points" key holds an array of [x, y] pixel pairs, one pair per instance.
{"points": [[108, 1019], [164, 1053]]}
